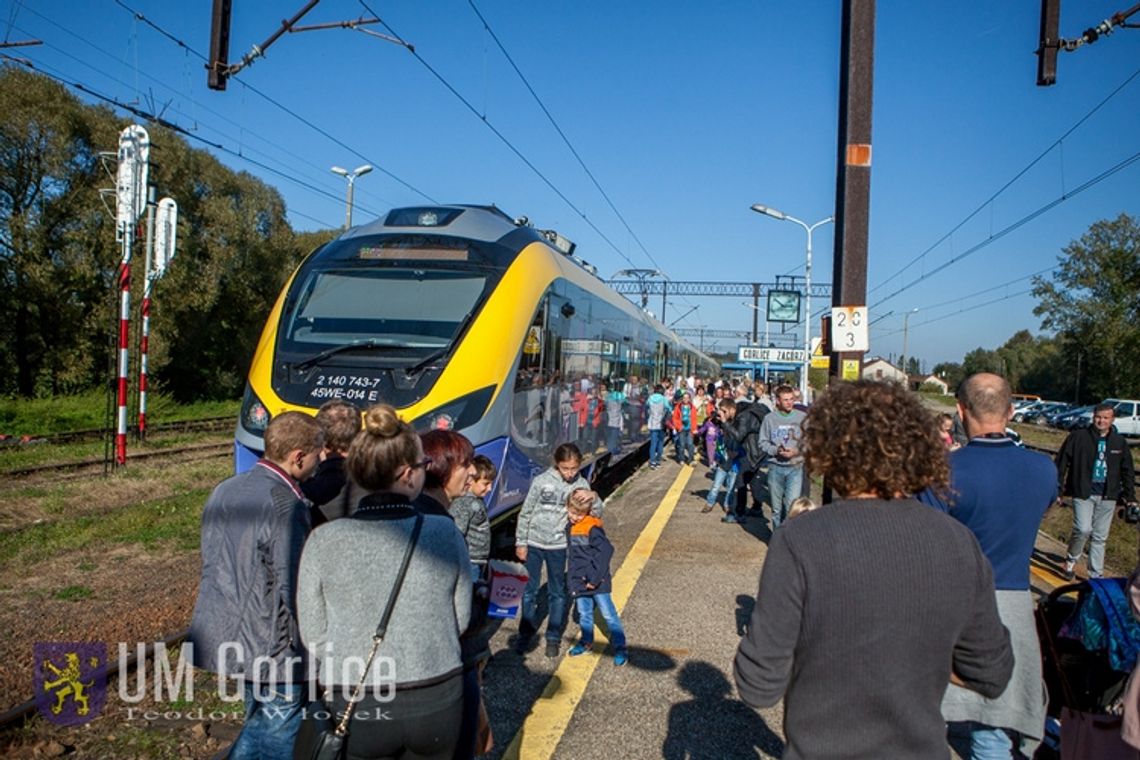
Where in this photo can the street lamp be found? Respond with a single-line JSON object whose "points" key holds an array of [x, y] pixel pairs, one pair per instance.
{"points": [[769, 211], [906, 332], [351, 177]]}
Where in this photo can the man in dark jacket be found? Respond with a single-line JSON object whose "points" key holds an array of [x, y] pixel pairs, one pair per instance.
{"points": [[744, 428], [245, 620], [1094, 466]]}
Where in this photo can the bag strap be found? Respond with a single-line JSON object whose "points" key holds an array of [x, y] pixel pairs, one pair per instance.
{"points": [[342, 727]]}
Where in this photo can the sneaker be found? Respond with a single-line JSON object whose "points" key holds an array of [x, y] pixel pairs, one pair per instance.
{"points": [[706, 509], [1070, 571], [553, 648], [579, 648], [621, 658], [729, 518]]}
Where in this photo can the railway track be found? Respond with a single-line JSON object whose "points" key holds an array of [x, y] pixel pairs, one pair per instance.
{"points": [[93, 466], [203, 425]]}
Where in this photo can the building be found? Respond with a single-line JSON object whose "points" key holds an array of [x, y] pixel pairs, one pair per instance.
{"points": [[878, 368], [917, 381]]}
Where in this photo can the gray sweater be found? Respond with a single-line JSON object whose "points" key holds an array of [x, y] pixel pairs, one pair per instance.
{"points": [[348, 569], [542, 519], [779, 429], [865, 607], [470, 515]]}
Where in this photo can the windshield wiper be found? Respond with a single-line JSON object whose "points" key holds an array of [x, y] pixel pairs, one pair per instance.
{"points": [[442, 352], [427, 360], [357, 344]]}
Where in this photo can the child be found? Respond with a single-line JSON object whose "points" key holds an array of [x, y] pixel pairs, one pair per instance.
{"points": [[590, 553], [540, 539], [945, 432], [800, 505], [469, 512]]}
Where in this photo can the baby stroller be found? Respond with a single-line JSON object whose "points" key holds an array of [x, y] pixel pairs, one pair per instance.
{"points": [[1089, 645]]}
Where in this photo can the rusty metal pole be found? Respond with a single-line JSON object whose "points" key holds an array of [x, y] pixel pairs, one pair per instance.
{"points": [[853, 185], [853, 182]]}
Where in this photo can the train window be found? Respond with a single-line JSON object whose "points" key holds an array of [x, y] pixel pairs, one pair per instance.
{"points": [[338, 307]]}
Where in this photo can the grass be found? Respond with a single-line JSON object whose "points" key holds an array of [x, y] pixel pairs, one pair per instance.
{"points": [[73, 593], [61, 414], [32, 455], [1120, 551], [173, 521]]}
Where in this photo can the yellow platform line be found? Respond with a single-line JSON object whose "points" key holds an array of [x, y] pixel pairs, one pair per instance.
{"points": [[546, 723]]}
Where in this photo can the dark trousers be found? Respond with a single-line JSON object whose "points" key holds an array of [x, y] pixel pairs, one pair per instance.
{"points": [[555, 562], [749, 482]]}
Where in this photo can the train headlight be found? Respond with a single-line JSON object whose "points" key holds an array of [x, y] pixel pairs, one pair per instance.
{"points": [[458, 414], [254, 415]]}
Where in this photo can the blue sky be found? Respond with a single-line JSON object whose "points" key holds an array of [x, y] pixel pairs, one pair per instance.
{"points": [[685, 113]]}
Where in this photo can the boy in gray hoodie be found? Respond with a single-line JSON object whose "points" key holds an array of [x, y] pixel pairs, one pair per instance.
{"points": [[780, 435]]}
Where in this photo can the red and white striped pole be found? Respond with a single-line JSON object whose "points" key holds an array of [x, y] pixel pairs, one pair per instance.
{"points": [[145, 338], [134, 152], [124, 337]]}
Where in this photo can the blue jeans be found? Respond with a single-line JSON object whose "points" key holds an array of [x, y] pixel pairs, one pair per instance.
{"points": [[605, 605], [555, 561], [656, 446], [989, 743], [784, 483], [1091, 516], [684, 446], [726, 478], [272, 718]]}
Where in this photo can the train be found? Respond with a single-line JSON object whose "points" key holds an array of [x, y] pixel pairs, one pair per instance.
{"points": [[461, 318]]}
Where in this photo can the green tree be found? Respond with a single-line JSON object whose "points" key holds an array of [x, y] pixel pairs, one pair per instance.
{"points": [[59, 258], [1092, 302], [54, 251]]}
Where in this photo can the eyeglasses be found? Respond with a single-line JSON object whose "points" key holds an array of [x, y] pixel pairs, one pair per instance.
{"points": [[423, 463]]}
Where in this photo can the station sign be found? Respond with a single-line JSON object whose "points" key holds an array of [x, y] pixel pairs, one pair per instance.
{"points": [[603, 347], [761, 354]]}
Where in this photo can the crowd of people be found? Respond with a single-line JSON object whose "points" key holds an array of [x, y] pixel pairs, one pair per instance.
{"points": [[906, 600]]}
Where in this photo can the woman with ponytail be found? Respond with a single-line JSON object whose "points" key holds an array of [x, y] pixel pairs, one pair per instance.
{"points": [[412, 699]]}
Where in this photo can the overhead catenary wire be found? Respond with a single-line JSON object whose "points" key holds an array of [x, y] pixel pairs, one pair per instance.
{"points": [[1011, 181], [503, 138], [566, 140], [156, 119], [320, 130], [993, 238], [961, 311]]}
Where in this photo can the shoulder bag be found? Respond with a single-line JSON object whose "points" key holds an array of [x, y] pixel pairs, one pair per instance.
{"points": [[328, 741]]}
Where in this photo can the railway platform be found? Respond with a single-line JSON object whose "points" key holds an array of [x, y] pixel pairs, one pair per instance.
{"points": [[685, 584]]}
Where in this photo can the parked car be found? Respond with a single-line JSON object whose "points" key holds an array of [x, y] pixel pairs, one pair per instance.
{"points": [[1020, 414], [1070, 418], [1127, 415], [1040, 415]]}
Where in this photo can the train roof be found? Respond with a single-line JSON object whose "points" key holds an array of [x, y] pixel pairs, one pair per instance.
{"points": [[485, 223]]}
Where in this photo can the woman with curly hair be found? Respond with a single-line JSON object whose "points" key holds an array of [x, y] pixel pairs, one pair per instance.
{"points": [[870, 605]]}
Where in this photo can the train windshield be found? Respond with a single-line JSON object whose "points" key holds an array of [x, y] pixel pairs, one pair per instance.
{"points": [[387, 312]]}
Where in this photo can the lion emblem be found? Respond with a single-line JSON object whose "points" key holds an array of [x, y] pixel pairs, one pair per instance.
{"points": [[68, 689]]}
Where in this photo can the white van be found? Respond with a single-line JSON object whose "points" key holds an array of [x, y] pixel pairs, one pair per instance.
{"points": [[1127, 415]]}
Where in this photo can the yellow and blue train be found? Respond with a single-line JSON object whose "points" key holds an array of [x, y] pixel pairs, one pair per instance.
{"points": [[462, 318]]}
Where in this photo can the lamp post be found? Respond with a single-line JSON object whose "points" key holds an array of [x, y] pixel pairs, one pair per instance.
{"points": [[768, 211], [906, 333], [351, 177]]}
